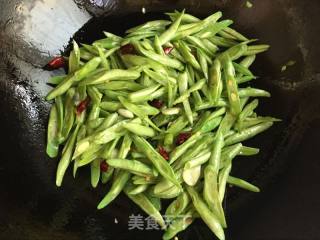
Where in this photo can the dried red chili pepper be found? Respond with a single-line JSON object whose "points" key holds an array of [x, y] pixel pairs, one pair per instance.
{"points": [[156, 103], [167, 50], [163, 152], [104, 166], [127, 49], [182, 137], [83, 105], [55, 63]]}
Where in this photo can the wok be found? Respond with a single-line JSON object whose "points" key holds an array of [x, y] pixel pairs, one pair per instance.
{"points": [[287, 168]]}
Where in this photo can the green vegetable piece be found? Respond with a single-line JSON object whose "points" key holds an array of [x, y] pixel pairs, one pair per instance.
{"points": [[158, 161], [52, 135], [242, 184], [207, 216]]}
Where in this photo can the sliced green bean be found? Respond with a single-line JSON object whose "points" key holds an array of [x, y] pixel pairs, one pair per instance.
{"points": [[242, 184], [207, 216]]}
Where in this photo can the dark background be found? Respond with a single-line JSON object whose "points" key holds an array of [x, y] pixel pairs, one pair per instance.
{"points": [[287, 169]]}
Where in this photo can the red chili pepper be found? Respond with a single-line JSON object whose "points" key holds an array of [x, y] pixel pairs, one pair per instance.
{"points": [[104, 166], [167, 50], [55, 63], [83, 105], [128, 49], [156, 103], [182, 137], [163, 152]]}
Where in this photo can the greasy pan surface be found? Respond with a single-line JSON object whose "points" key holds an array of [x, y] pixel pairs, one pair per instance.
{"points": [[287, 169]]}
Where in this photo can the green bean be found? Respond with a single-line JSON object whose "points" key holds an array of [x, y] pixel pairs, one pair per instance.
{"points": [[159, 77], [77, 76], [143, 94], [120, 85], [223, 176], [88, 156], [242, 70], [178, 206], [214, 81], [198, 160], [106, 176], [110, 75], [74, 58], [170, 33], [66, 156], [207, 216], [150, 25], [133, 166], [186, 18], [203, 62], [110, 106], [108, 122], [178, 151], [157, 45], [253, 92], [138, 111], [164, 60], [234, 52], [244, 79], [229, 153], [212, 29], [146, 205], [222, 42], [168, 139], [187, 55], [183, 84], [161, 120], [176, 127], [255, 49], [109, 148], [248, 133], [199, 44], [210, 46], [247, 61], [247, 111], [135, 60], [211, 124], [198, 26], [226, 123], [252, 121], [232, 88], [146, 180], [248, 151], [60, 111], [52, 135], [194, 150], [125, 113], [236, 35], [216, 152], [158, 161], [195, 87], [179, 224], [139, 130], [242, 184], [55, 80], [211, 193], [170, 193], [117, 186], [139, 189], [95, 172]]}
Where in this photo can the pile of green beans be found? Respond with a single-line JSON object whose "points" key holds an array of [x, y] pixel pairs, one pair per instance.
{"points": [[160, 113]]}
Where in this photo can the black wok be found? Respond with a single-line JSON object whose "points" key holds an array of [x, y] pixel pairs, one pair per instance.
{"points": [[287, 169]]}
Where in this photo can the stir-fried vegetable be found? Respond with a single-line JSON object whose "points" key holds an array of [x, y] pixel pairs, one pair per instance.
{"points": [[161, 113]]}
